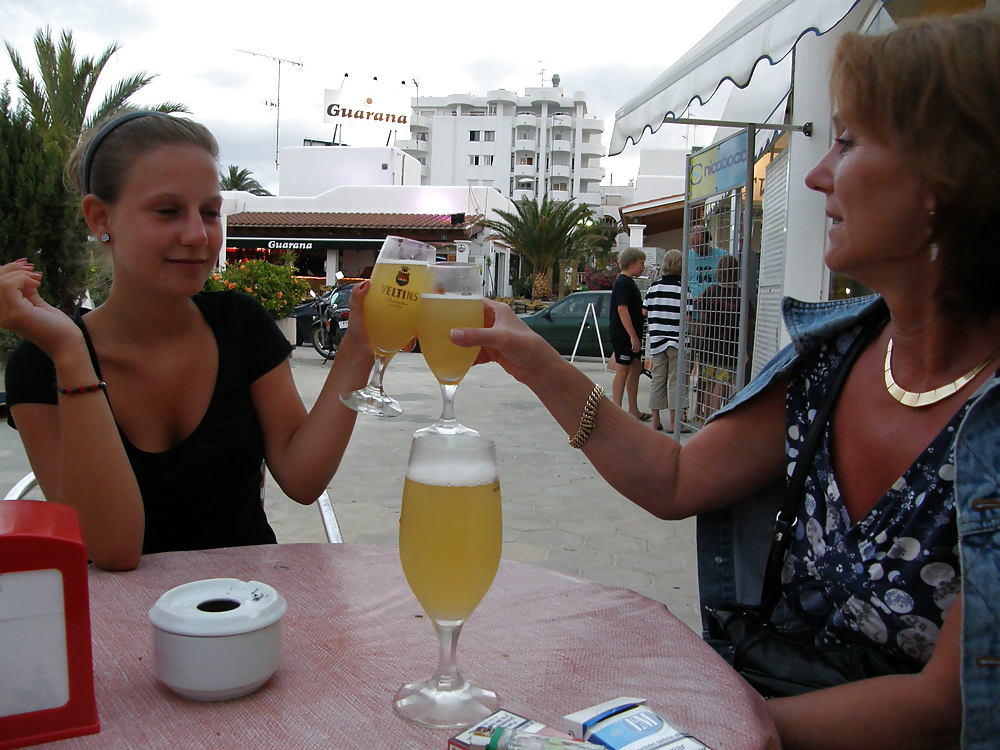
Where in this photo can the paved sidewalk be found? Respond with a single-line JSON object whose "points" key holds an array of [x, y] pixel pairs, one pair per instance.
{"points": [[558, 512]]}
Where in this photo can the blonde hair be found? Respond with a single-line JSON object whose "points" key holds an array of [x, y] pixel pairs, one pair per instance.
{"points": [[673, 260], [931, 89], [629, 256]]}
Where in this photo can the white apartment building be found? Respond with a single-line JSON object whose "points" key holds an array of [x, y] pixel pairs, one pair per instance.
{"points": [[525, 146]]}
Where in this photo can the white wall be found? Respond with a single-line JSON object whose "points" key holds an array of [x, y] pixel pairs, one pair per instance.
{"points": [[661, 173], [805, 274], [311, 170]]}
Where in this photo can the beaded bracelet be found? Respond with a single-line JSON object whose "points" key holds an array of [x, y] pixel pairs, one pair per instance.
{"points": [[93, 388], [588, 420]]}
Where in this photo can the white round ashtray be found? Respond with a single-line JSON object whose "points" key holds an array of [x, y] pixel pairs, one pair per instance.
{"points": [[217, 639]]}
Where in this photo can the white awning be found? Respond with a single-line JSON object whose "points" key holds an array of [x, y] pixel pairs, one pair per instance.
{"points": [[754, 30]]}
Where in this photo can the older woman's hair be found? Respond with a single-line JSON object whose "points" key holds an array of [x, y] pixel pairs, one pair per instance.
{"points": [[102, 159], [630, 256], [672, 261], [931, 89]]}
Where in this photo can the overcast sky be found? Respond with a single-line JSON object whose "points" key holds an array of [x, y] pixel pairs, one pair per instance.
{"points": [[609, 50]]}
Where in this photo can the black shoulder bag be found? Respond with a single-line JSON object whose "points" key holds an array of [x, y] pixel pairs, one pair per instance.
{"points": [[777, 663]]}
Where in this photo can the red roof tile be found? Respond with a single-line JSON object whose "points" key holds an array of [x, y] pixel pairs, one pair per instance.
{"points": [[343, 220]]}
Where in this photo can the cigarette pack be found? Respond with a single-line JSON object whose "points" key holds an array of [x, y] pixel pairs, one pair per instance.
{"points": [[507, 720], [627, 724]]}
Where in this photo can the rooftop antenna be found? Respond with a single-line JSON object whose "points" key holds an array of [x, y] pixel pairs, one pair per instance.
{"points": [[277, 98], [541, 74]]}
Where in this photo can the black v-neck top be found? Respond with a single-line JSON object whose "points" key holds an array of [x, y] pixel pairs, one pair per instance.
{"points": [[205, 491]]}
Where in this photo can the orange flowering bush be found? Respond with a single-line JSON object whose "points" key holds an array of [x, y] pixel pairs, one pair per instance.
{"points": [[274, 286]]}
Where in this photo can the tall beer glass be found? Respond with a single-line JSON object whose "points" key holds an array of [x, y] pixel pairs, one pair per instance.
{"points": [[391, 317], [450, 535], [453, 298]]}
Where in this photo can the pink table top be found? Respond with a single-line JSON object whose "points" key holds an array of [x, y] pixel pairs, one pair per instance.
{"points": [[548, 643]]}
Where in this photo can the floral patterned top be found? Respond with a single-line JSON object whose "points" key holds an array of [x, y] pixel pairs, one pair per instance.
{"points": [[891, 577]]}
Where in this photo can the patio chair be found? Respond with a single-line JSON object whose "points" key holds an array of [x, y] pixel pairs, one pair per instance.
{"points": [[23, 487]]}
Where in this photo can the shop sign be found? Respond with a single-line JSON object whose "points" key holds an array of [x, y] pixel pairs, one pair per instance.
{"points": [[718, 168]]}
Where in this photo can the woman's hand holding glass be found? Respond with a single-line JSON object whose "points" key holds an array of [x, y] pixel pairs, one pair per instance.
{"points": [[390, 317], [453, 298]]}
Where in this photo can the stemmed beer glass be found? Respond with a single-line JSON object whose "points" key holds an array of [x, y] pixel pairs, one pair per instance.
{"points": [[452, 298], [450, 535], [391, 317]]}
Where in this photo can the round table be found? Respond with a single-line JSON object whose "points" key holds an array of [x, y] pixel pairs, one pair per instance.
{"points": [[548, 643]]}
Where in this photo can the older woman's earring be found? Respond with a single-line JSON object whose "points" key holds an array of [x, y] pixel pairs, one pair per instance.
{"points": [[105, 238], [935, 251]]}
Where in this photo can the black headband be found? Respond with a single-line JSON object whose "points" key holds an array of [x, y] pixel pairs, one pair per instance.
{"points": [[98, 139]]}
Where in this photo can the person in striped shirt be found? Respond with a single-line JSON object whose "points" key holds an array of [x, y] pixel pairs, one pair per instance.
{"points": [[662, 309]]}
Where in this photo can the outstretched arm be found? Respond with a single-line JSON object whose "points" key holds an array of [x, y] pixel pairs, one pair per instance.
{"points": [[303, 448], [728, 460]]}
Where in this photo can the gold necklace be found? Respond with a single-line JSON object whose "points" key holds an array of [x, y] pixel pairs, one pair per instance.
{"points": [[926, 398]]}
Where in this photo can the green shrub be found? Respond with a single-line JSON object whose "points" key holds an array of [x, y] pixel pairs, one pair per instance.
{"points": [[275, 287]]}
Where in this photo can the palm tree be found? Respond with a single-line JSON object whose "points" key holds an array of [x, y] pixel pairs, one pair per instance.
{"points": [[241, 179], [60, 101], [545, 235]]}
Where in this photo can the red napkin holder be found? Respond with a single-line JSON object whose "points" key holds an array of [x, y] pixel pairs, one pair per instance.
{"points": [[46, 671]]}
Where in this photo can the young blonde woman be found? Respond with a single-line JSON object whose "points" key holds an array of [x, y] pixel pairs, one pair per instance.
{"points": [[152, 414]]}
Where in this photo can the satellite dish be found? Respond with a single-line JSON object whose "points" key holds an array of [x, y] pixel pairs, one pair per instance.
{"points": [[621, 241]]}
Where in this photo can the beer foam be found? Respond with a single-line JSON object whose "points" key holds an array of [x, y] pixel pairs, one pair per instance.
{"points": [[399, 262], [456, 471]]}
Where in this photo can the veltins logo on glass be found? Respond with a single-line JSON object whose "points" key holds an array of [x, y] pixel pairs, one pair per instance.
{"points": [[403, 276]]}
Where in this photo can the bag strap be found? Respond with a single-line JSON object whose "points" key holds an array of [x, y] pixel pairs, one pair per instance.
{"points": [[784, 524]]}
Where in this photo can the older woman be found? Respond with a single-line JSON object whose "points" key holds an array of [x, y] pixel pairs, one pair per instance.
{"points": [[908, 466]]}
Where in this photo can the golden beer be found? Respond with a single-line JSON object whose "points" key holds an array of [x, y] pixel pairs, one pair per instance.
{"points": [[439, 313], [449, 544], [393, 303]]}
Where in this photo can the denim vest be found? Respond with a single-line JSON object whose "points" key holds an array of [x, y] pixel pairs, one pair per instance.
{"points": [[733, 542]]}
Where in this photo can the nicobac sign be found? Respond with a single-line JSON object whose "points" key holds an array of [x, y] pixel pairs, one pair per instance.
{"points": [[718, 168]]}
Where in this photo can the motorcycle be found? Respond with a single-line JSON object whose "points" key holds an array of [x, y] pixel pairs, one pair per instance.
{"points": [[331, 322]]}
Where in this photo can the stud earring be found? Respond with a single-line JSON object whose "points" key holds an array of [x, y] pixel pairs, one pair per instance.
{"points": [[935, 251], [105, 238]]}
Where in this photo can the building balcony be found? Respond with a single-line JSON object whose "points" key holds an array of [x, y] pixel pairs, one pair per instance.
{"points": [[561, 145], [563, 121], [420, 122], [592, 124], [559, 195], [524, 170], [590, 173], [520, 193], [526, 120], [501, 95], [589, 199], [413, 145], [591, 149], [559, 170], [525, 144]]}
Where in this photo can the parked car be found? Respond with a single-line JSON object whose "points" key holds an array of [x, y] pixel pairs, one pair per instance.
{"points": [[560, 323], [307, 312]]}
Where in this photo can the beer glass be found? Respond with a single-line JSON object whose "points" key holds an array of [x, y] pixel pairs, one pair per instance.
{"points": [[452, 298], [450, 535], [391, 317]]}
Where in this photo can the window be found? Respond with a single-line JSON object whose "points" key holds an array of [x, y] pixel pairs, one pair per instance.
{"points": [[422, 160], [491, 109], [474, 160], [488, 160], [489, 136], [422, 137], [473, 135]]}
